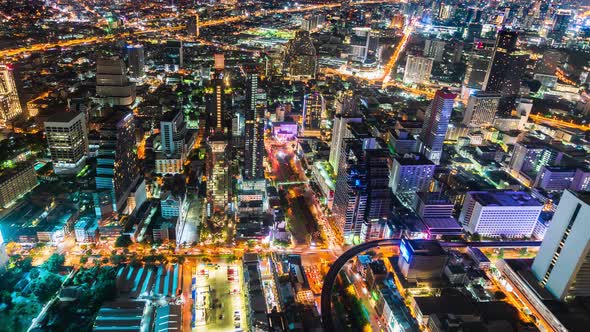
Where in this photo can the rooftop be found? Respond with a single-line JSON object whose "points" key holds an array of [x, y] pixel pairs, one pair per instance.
{"points": [[504, 198]]}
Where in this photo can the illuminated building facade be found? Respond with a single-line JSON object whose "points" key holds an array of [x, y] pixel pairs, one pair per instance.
{"points": [[481, 109], [174, 53], [314, 110], [417, 70], [67, 140], [300, 57], [136, 61], [112, 85], [563, 263], [10, 106], [507, 66], [254, 130], [436, 123], [116, 162], [15, 182]]}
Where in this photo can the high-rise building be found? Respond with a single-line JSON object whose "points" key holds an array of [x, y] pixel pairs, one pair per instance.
{"points": [[67, 140], [410, 174], [173, 52], [10, 106], [434, 49], [481, 109], [136, 60], [254, 130], [361, 196], [216, 105], [473, 31], [363, 43], [507, 66], [561, 21], [581, 180], [478, 62], [116, 162], [528, 158], [340, 132], [421, 259], [500, 213], [193, 26], [112, 84], [417, 70], [300, 56], [175, 143], [314, 109], [552, 178], [562, 264], [436, 123], [15, 182]]}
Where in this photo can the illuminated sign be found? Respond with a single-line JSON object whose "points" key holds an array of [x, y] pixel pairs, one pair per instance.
{"points": [[403, 249]]}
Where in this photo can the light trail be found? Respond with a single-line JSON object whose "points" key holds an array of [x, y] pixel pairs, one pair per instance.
{"points": [[542, 119]]}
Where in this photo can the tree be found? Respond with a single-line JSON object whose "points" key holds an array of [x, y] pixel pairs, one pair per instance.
{"points": [[34, 274], [45, 286], [522, 251], [475, 237], [123, 241], [499, 295], [54, 263], [83, 259], [501, 253]]}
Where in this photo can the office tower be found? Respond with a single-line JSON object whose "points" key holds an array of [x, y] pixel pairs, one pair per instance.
{"points": [[561, 21], [410, 174], [481, 109], [379, 200], [136, 60], [562, 264], [112, 84], [340, 132], [314, 109], [116, 162], [350, 194], [417, 70], [173, 51], [507, 65], [500, 213], [421, 259], [300, 56], [434, 49], [10, 106], [254, 130], [67, 140], [478, 62], [529, 157], [15, 182], [552, 178], [363, 43], [174, 143], [218, 181], [581, 180], [192, 26], [436, 122], [433, 205], [216, 104]]}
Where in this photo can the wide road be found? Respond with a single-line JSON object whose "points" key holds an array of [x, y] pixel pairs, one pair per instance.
{"points": [[206, 23]]}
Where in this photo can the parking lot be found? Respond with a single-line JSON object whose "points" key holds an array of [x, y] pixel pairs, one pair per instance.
{"points": [[218, 298]]}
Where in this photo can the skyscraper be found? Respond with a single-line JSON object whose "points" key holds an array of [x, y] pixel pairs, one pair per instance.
{"points": [[507, 66], [436, 123], [116, 162], [136, 61], [174, 143], [362, 198], [561, 21], [217, 117], [350, 194], [410, 174], [563, 262], [112, 84], [478, 63], [418, 70], [340, 132], [67, 140], [314, 108], [481, 109], [173, 51], [10, 106], [254, 130], [300, 56]]}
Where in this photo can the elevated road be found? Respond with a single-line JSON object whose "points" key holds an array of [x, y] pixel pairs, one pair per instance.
{"points": [[330, 278]]}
